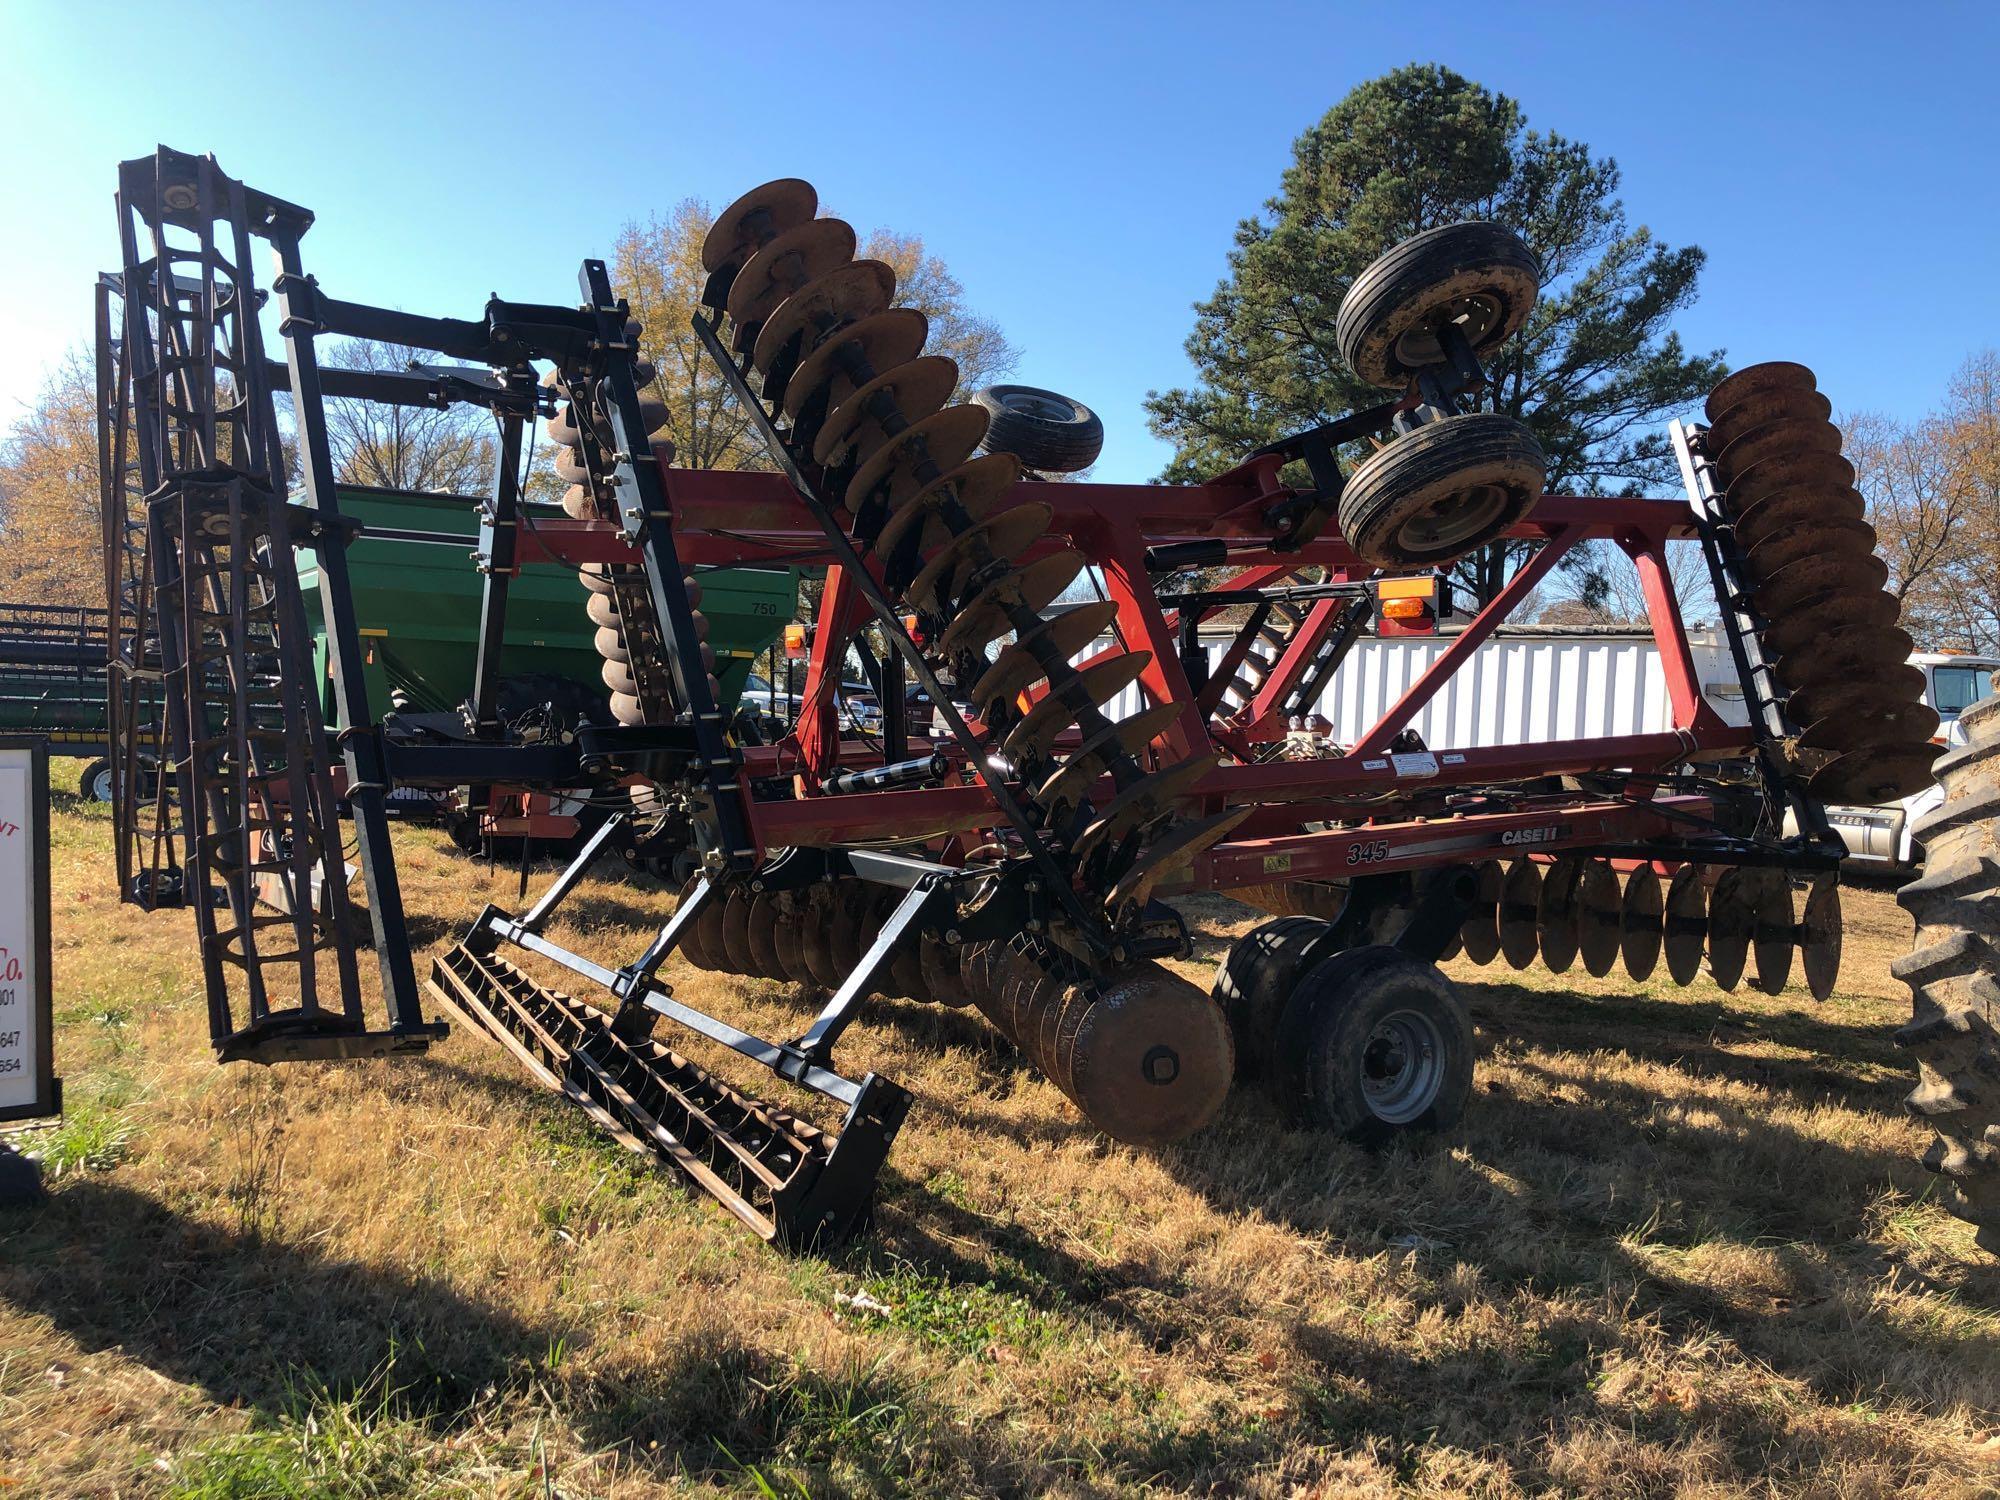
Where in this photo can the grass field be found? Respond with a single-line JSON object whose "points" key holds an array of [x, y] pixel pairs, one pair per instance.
{"points": [[1679, 1246]]}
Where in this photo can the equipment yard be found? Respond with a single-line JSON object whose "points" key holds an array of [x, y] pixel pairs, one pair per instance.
{"points": [[1681, 1243]]}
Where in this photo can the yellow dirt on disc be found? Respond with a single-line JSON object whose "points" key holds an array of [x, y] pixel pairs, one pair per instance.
{"points": [[1680, 1246]]}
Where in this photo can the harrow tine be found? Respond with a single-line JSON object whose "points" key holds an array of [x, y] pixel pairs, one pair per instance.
{"points": [[1641, 921]]}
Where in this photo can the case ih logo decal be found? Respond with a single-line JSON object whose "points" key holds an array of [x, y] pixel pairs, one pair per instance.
{"points": [[1544, 835]]}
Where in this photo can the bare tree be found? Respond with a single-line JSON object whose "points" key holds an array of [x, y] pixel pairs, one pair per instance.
{"points": [[449, 451]]}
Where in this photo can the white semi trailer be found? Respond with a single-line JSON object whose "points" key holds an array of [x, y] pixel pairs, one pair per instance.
{"points": [[1539, 682]]}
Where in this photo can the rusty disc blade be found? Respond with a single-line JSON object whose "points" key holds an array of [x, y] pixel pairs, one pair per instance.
{"points": [[710, 924], [1558, 915], [844, 361], [1813, 618], [1597, 917], [846, 294], [1781, 548], [1128, 736], [1013, 975], [999, 538], [1775, 374], [1901, 724], [1150, 1061], [760, 213], [940, 961], [1031, 739], [1770, 439], [569, 466], [1819, 936], [690, 944], [1169, 854], [1641, 923], [1016, 668], [1798, 505], [1783, 471], [1076, 1003], [1874, 774], [761, 927], [788, 937], [914, 389], [1732, 919], [579, 503], [1892, 689], [595, 577], [976, 970], [787, 263], [976, 487], [986, 617], [563, 427], [1774, 934], [1684, 928], [627, 709], [1779, 403], [1849, 653], [1043, 994], [1140, 803], [1848, 572], [906, 969], [849, 910], [1479, 934], [610, 644], [736, 932], [1520, 901], [919, 455]]}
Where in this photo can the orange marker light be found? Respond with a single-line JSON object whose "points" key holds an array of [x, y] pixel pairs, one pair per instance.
{"points": [[1405, 609], [795, 640]]}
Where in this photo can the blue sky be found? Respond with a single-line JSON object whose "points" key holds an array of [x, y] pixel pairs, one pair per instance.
{"points": [[1080, 167]]}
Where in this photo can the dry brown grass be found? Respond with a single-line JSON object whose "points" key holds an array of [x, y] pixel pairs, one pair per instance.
{"points": [[1680, 1246]]}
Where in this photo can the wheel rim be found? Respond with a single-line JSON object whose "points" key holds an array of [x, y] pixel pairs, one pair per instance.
{"points": [[1402, 1066], [100, 785], [1458, 517], [1030, 405], [1476, 314]]}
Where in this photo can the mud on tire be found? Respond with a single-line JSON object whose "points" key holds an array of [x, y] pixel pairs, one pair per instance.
{"points": [[1953, 971]]}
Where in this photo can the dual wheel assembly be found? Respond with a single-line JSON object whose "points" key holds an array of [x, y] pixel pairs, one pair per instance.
{"points": [[1368, 1042], [1417, 320]]}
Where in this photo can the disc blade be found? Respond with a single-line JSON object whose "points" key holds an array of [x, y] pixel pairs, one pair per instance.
{"points": [[1480, 932], [1819, 936], [1785, 436], [1890, 690], [1520, 900], [919, 455], [1782, 471], [1147, 798], [1151, 1060], [1001, 537], [1641, 927], [1874, 774], [690, 944], [1016, 668], [1809, 539], [788, 937], [987, 616], [940, 961], [1850, 653], [784, 264], [1597, 917], [914, 390], [1032, 738], [1557, 915], [769, 209], [1775, 374], [762, 929], [1777, 403], [1128, 736], [1170, 854], [976, 487], [845, 294], [736, 932], [873, 344], [1798, 505], [1902, 724], [1774, 933], [1847, 572], [1732, 919], [1684, 931], [1822, 613]]}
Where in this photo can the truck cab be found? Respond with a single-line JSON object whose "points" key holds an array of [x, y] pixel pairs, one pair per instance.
{"points": [[1884, 836]]}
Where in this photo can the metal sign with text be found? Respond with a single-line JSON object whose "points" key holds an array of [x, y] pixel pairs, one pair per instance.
{"points": [[29, 1088]]}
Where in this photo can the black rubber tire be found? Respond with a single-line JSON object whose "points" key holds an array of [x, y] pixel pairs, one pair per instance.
{"points": [[1327, 1042], [1380, 326], [95, 783], [1953, 971], [1050, 433], [1255, 979], [1448, 488]]}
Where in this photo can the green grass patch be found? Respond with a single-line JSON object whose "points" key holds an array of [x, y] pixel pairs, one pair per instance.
{"points": [[956, 1315], [93, 1137]]}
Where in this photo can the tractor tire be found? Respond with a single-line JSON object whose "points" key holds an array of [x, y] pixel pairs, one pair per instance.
{"points": [[1482, 274], [1049, 433], [1953, 971], [1437, 493], [1255, 979], [1374, 1043]]}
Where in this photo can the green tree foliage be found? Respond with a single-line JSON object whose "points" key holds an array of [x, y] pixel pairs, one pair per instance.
{"points": [[1595, 374]]}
